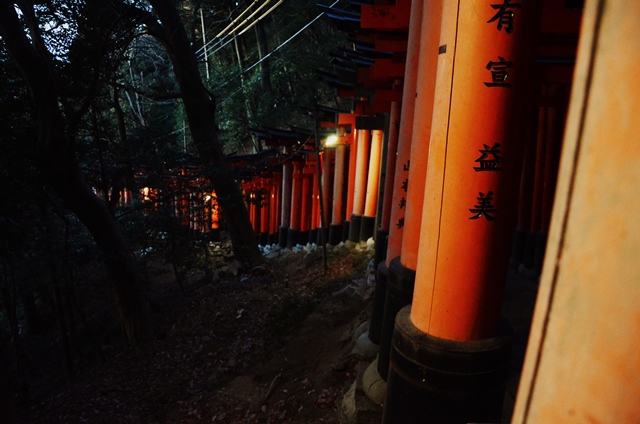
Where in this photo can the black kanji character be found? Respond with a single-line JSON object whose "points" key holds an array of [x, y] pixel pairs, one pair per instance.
{"points": [[499, 73], [487, 164], [484, 207], [504, 16]]}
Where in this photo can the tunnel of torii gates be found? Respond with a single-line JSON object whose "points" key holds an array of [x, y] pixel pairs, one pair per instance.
{"points": [[450, 157]]}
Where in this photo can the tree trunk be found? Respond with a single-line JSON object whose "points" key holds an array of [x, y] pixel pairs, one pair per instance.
{"points": [[263, 50], [200, 108], [59, 167]]}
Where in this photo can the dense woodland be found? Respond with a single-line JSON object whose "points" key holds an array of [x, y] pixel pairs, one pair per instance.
{"points": [[95, 90]]}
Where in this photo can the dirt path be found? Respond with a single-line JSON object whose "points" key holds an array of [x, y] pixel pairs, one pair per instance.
{"points": [[268, 345]]}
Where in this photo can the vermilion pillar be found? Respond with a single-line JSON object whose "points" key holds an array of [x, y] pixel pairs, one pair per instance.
{"points": [[553, 138], [373, 178], [274, 209], [451, 332], [215, 212], [306, 204], [402, 268], [296, 199], [265, 211], [212, 216], [327, 189], [582, 361], [337, 216], [254, 213], [387, 192], [351, 184], [315, 207], [401, 174], [285, 201], [360, 184]]}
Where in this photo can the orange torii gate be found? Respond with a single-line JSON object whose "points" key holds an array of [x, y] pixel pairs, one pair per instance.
{"points": [[451, 335], [183, 191]]}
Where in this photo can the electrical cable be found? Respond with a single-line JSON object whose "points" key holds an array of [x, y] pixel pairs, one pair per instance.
{"points": [[273, 51]]}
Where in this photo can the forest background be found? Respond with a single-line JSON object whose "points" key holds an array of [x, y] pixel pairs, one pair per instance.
{"points": [[92, 93]]}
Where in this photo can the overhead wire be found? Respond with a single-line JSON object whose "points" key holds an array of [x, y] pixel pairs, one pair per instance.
{"points": [[201, 52], [224, 31], [273, 51], [204, 55], [265, 14]]}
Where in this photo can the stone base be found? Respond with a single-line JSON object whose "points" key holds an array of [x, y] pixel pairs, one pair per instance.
{"points": [[364, 349], [356, 407], [445, 381], [373, 385], [367, 228], [399, 294], [354, 228]]}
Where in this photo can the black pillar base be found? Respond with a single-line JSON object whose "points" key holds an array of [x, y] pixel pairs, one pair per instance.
{"points": [[282, 236], [264, 239], [304, 237], [354, 228], [518, 246], [377, 311], [399, 294], [272, 238], [319, 236], [335, 234], [433, 380], [382, 238], [313, 236], [293, 237], [367, 227], [345, 230], [214, 234], [541, 247]]}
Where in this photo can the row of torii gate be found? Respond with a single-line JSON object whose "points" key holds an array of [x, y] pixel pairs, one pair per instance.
{"points": [[449, 158]]}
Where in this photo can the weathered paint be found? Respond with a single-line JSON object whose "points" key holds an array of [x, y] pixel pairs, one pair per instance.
{"points": [[464, 248], [396, 226], [421, 132], [582, 362]]}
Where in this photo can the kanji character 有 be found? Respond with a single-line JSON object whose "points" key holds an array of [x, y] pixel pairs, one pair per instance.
{"points": [[504, 16]]}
